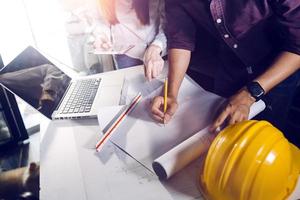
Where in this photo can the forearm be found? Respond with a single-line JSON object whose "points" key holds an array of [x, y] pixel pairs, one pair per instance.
{"points": [[238, 107], [285, 65], [179, 60]]}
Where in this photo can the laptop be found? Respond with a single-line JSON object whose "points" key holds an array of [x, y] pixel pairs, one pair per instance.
{"points": [[47, 88]]}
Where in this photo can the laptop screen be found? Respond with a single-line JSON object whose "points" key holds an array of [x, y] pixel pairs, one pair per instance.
{"points": [[33, 78]]}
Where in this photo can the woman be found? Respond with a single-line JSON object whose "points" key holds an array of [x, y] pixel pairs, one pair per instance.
{"points": [[137, 23]]}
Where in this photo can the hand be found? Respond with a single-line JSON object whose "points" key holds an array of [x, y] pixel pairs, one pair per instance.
{"points": [[102, 42], [236, 110], [157, 106], [153, 62]]}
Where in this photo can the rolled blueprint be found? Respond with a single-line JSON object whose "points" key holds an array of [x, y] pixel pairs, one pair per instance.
{"points": [[192, 148]]}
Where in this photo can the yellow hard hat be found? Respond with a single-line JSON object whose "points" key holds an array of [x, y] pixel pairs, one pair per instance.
{"points": [[251, 160]]}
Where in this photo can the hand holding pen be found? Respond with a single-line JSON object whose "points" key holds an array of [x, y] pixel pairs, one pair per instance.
{"points": [[164, 107]]}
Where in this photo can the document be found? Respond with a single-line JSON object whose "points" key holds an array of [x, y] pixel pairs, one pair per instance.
{"points": [[190, 149], [165, 149]]}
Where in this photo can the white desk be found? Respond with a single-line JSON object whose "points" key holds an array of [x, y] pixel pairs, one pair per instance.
{"points": [[71, 169]]}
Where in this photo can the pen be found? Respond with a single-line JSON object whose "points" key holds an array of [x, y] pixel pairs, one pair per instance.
{"points": [[165, 96]]}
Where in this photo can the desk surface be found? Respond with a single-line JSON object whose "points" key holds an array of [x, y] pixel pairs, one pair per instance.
{"points": [[71, 169]]}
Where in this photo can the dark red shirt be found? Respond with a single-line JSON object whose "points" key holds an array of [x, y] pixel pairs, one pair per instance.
{"points": [[244, 34]]}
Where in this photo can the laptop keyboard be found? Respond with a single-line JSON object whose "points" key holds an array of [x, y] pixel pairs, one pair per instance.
{"points": [[82, 97]]}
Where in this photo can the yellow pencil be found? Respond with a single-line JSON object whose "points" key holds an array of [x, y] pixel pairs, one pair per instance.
{"points": [[165, 95]]}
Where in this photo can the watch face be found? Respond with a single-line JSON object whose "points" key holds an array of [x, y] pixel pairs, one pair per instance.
{"points": [[256, 90]]}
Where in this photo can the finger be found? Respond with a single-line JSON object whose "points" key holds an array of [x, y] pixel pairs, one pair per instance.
{"points": [[146, 57], [149, 70], [154, 71], [145, 70], [166, 119], [103, 37], [102, 40], [108, 45], [157, 118], [105, 46], [243, 117], [170, 112], [234, 118], [220, 120], [240, 117], [157, 103], [246, 111], [157, 111]]}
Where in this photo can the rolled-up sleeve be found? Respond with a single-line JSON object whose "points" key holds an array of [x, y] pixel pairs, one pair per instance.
{"points": [[288, 17], [180, 28], [160, 39]]}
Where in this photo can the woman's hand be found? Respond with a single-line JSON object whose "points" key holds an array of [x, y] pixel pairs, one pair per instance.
{"points": [[102, 42], [236, 110], [157, 106], [153, 62]]}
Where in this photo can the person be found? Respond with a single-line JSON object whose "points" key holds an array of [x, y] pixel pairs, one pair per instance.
{"points": [[254, 46], [137, 23]]}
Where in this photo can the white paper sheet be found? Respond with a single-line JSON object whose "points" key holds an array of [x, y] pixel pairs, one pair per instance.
{"points": [[144, 139], [147, 141], [192, 148]]}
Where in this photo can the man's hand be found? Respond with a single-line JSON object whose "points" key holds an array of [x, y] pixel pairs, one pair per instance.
{"points": [[153, 62], [157, 109], [178, 63], [236, 110]]}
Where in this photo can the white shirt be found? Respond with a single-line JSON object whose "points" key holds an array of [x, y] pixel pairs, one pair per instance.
{"points": [[129, 30]]}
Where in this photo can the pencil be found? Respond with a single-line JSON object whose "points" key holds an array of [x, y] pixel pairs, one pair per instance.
{"points": [[165, 95]]}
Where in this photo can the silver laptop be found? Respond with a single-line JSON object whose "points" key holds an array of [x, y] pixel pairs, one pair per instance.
{"points": [[43, 85]]}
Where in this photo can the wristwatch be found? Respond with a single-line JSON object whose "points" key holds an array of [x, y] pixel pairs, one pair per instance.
{"points": [[255, 90]]}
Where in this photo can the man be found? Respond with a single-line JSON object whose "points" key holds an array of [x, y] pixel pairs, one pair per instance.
{"points": [[254, 45]]}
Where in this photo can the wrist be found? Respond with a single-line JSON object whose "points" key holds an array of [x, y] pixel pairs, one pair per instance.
{"points": [[255, 90], [172, 95], [248, 98], [158, 43], [156, 48]]}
